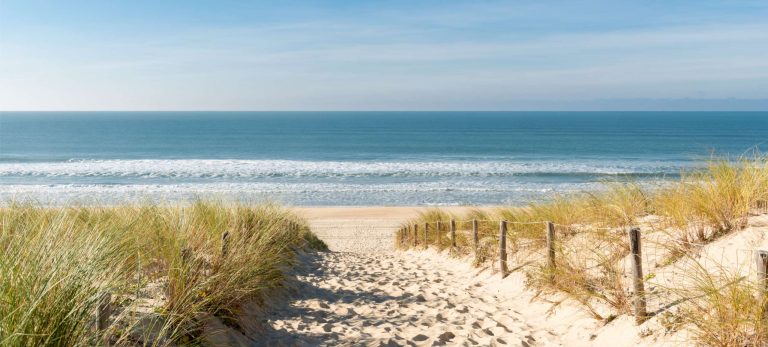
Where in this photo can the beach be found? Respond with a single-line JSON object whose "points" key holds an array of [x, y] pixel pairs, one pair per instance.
{"points": [[364, 293], [362, 229], [512, 228], [369, 174]]}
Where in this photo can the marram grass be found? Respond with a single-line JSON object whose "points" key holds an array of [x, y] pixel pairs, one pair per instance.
{"points": [[56, 264], [719, 307]]}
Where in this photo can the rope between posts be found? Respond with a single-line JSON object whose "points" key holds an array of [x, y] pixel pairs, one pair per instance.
{"points": [[355, 238], [532, 245], [588, 227], [356, 227]]}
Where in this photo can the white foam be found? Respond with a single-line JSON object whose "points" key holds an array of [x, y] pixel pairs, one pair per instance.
{"points": [[216, 168], [294, 193]]}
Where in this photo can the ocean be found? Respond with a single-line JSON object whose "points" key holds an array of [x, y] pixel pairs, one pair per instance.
{"points": [[355, 158]]}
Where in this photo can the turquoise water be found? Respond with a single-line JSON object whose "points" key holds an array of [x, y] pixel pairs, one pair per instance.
{"points": [[354, 158]]}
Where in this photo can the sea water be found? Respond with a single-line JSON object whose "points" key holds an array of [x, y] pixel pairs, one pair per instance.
{"points": [[355, 158]]}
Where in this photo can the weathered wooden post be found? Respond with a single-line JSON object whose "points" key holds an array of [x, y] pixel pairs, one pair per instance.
{"points": [[426, 235], [475, 237], [551, 250], [761, 260], [637, 275], [104, 310], [503, 248], [224, 243], [439, 241], [453, 233], [415, 234], [408, 232]]}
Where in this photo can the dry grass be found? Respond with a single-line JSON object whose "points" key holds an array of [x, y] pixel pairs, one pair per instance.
{"points": [[719, 307], [706, 204], [590, 270], [57, 262]]}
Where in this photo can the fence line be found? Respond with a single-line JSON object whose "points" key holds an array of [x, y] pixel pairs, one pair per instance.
{"points": [[547, 242]]}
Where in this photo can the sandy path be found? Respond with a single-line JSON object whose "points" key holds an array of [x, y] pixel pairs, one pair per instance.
{"points": [[361, 229], [395, 299], [360, 236], [363, 293]]}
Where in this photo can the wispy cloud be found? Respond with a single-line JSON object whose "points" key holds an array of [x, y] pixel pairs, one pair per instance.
{"points": [[471, 55]]}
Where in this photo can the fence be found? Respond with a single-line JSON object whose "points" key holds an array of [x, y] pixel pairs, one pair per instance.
{"points": [[614, 264]]}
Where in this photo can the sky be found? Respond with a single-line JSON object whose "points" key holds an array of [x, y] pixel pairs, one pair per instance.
{"points": [[383, 55]]}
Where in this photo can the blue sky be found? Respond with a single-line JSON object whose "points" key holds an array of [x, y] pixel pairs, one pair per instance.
{"points": [[393, 55]]}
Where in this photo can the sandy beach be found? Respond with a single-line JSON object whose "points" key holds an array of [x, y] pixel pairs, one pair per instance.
{"points": [[348, 298], [363, 229], [365, 293]]}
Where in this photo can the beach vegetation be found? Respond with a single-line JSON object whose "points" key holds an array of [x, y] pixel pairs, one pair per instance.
{"points": [[168, 270], [678, 218]]}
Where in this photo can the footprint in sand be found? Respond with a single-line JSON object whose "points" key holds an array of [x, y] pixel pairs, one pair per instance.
{"points": [[388, 300]]}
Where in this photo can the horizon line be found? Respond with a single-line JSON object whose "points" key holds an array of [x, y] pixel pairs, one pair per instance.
{"points": [[403, 110]]}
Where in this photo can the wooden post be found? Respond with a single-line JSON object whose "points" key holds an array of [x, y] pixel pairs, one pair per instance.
{"points": [[415, 234], [503, 248], [475, 237], [761, 260], [408, 234], [551, 249], [439, 241], [104, 311], [426, 235], [224, 243], [453, 233], [637, 275]]}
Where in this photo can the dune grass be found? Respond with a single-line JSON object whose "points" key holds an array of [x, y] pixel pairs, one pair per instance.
{"points": [[714, 201], [721, 308], [677, 218], [57, 262]]}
